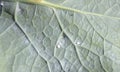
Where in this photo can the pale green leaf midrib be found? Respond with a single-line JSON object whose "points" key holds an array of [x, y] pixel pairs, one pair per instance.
{"points": [[45, 3], [52, 5]]}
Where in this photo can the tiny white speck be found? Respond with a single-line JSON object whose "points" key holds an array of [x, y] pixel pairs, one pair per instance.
{"points": [[2, 3], [78, 43], [58, 46]]}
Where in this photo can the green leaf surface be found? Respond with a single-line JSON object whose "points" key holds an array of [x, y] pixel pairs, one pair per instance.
{"points": [[59, 36]]}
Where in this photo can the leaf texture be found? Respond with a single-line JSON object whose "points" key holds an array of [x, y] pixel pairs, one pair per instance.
{"points": [[60, 36]]}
